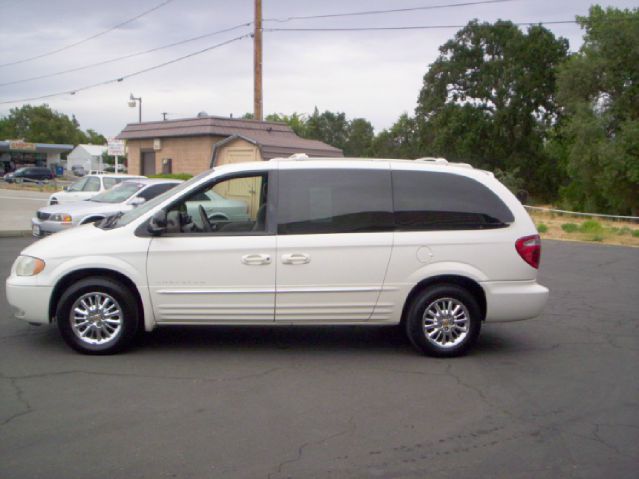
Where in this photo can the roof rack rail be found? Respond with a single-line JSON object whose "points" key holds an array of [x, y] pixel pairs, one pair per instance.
{"points": [[294, 156], [431, 159]]}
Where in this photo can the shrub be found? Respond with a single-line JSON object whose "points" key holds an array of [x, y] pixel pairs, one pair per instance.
{"points": [[591, 226], [173, 176], [542, 228], [624, 231], [635, 233], [596, 237], [569, 227]]}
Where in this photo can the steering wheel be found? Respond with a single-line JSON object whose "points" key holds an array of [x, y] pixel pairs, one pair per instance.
{"points": [[207, 227]]}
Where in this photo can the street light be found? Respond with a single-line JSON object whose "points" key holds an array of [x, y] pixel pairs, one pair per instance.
{"points": [[132, 100]]}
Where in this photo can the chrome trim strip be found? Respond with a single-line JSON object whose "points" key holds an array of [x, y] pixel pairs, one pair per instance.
{"points": [[327, 289]]}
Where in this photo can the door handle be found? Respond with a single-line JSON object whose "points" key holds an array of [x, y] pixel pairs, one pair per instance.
{"points": [[296, 258], [256, 259]]}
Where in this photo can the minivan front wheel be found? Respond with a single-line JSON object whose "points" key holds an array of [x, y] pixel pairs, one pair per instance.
{"points": [[443, 321], [97, 316]]}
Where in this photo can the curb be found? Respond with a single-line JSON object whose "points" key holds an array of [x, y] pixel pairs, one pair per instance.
{"points": [[15, 233]]}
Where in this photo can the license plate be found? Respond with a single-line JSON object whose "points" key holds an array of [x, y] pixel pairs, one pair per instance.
{"points": [[36, 230]]}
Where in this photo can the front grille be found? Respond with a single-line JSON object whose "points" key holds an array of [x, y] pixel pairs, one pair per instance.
{"points": [[42, 216]]}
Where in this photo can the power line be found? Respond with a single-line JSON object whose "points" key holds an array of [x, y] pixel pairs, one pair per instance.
{"points": [[129, 75], [377, 12], [247, 24], [124, 57], [409, 27], [96, 35]]}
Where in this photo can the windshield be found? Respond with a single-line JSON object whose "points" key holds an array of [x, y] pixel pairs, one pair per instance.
{"points": [[118, 193], [20, 171], [134, 214]]}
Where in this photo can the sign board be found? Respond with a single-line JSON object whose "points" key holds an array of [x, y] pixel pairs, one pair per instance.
{"points": [[115, 147], [21, 145], [157, 144]]}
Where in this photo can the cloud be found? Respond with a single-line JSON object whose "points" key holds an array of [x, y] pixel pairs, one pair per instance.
{"points": [[376, 75]]}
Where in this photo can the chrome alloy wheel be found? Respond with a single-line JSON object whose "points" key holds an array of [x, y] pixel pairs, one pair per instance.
{"points": [[446, 322], [96, 318]]}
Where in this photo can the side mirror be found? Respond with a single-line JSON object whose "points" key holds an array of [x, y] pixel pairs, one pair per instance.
{"points": [[157, 224], [66, 188], [137, 201]]}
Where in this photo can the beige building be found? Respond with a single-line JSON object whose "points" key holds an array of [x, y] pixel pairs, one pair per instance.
{"points": [[194, 145]]}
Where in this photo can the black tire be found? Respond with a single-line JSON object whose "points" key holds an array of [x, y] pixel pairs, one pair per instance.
{"points": [[104, 288], [444, 348]]}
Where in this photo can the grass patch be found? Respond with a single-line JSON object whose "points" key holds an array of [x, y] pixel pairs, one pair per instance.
{"points": [[635, 234], [570, 227], [173, 176], [542, 228], [591, 227]]}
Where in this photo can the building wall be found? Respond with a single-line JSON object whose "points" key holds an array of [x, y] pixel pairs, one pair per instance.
{"points": [[191, 154], [238, 151]]}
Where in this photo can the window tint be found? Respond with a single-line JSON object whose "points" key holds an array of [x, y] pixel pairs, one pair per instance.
{"points": [[334, 201], [154, 190], [441, 201], [230, 206], [92, 184]]}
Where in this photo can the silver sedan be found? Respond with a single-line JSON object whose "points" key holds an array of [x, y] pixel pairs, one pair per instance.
{"points": [[121, 198]]}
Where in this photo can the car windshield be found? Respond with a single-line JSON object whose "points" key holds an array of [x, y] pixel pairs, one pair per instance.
{"points": [[21, 170], [134, 214], [118, 193]]}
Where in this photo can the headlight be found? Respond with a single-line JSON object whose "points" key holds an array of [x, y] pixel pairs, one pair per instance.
{"points": [[61, 217], [28, 266]]}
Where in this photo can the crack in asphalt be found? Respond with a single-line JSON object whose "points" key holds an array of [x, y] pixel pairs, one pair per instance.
{"points": [[302, 447], [142, 376], [20, 395]]}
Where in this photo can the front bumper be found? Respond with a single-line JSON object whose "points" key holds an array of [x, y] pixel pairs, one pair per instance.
{"points": [[514, 300], [28, 302], [42, 228]]}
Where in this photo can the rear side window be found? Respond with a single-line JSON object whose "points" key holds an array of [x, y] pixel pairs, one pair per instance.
{"points": [[334, 201], [425, 200]]}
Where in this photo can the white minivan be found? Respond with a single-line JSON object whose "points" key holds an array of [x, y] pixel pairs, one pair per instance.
{"points": [[436, 247]]}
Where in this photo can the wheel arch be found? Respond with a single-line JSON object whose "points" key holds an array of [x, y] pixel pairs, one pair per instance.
{"points": [[472, 286], [68, 279]]}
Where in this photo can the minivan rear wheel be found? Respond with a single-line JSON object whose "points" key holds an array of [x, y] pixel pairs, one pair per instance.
{"points": [[97, 316], [443, 321]]}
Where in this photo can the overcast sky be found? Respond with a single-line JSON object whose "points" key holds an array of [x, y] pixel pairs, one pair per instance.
{"points": [[375, 75]]}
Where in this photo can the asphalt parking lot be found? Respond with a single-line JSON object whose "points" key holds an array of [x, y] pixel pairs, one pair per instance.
{"points": [[557, 396], [18, 207]]}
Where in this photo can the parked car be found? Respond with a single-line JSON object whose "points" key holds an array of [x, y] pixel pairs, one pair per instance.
{"points": [[88, 187], [29, 174], [122, 197], [438, 248]]}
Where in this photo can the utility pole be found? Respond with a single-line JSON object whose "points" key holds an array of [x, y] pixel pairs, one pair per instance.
{"points": [[257, 62], [164, 113]]}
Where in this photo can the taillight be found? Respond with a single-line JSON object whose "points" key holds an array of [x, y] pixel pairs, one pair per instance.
{"points": [[529, 248]]}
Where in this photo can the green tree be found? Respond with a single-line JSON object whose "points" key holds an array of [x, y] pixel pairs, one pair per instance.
{"points": [[489, 99], [41, 124], [599, 89], [399, 141], [360, 138], [329, 127], [296, 121], [95, 138]]}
